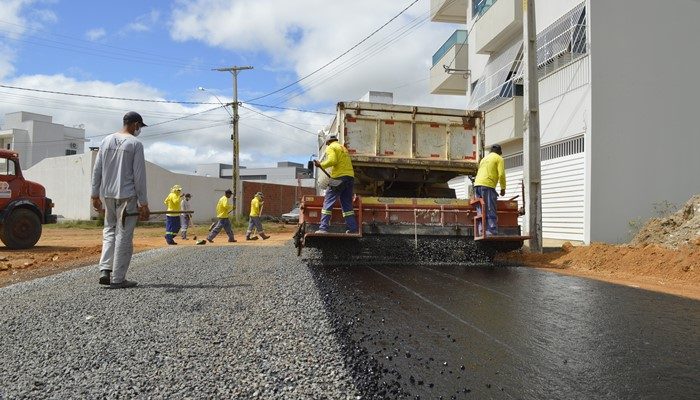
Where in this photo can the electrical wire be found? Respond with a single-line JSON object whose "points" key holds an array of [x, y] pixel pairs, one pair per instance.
{"points": [[338, 57]]}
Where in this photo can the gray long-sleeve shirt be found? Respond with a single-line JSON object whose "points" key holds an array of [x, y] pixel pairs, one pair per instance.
{"points": [[120, 169]]}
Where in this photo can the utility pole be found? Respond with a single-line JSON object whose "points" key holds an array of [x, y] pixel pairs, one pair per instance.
{"points": [[532, 168], [236, 185]]}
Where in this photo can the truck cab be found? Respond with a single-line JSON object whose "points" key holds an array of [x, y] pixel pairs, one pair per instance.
{"points": [[24, 206]]}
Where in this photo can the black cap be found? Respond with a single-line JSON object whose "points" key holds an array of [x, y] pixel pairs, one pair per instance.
{"points": [[228, 191], [133, 116], [496, 147]]}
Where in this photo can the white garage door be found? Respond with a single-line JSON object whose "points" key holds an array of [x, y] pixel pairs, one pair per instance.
{"points": [[563, 188]]}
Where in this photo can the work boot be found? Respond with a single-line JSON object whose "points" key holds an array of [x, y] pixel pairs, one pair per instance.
{"points": [[105, 276], [247, 237], [264, 236], [322, 231], [210, 240], [232, 240], [123, 284]]}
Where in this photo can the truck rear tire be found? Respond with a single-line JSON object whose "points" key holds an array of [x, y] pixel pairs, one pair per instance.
{"points": [[21, 229]]}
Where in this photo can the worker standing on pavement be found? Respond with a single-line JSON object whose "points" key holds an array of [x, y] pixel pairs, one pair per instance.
{"points": [[256, 205], [172, 220], [341, 186], [185, 219], [491, 172], [223, 209], [119, 176]]}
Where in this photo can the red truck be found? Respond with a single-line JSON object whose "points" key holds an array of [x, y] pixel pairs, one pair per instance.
{"points": [[24, 206]]}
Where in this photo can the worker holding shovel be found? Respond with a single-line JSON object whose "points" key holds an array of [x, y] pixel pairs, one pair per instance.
{"points": [[256, 205], [172, 219], [223, 208], [119, 177]]}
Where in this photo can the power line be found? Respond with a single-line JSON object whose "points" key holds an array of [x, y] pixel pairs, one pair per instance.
{"points": [[278, 120], [289, 108], [106, 97], [338, 57]]}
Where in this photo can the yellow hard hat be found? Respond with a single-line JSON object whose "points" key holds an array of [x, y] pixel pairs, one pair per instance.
{"points": [[176, 188]]}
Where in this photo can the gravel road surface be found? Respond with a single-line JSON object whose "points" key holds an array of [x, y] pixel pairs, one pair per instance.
{"points": [[204, 322]]}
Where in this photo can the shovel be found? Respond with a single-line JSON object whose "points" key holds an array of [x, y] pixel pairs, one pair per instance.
{"points": [[134, 214]]}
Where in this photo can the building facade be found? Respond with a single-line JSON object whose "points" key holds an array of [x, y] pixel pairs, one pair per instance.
{"points": [[616, 97], [285, 173], [36, 137]]}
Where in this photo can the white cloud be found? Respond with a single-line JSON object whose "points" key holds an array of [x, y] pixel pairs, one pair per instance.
{"points": [[143, 23], [302, 41], [95, 34], [177, 145]]}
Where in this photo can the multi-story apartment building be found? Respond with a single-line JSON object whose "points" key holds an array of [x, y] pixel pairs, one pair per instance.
{"points": [[618, 99], [36, 137]]}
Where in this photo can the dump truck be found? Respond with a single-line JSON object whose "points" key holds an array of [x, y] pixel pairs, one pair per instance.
{"points": [[403, 158], [24, 207]]}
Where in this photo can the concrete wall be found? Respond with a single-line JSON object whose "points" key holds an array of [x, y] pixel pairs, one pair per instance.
{"points": [[645, 132], [67, 181]]}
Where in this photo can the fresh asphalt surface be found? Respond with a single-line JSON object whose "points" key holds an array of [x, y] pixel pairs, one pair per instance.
{"points": [[257, 322]]}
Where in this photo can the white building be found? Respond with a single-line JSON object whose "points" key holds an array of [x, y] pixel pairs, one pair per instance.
{"points": [[285, 173], [36, 137], [618, 102], [68, 180]]}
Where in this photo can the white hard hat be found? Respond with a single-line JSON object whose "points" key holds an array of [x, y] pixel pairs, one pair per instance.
{"points": [[331, 136]]}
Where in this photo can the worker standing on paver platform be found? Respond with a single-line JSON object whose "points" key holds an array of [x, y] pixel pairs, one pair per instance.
{"points": [[491, 172], [338, 158], [172, 220], [223, 209], [256, 205], [119, 176], [185, 218]]}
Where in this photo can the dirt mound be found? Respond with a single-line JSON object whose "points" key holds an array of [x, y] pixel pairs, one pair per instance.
{"points": [[677, 230]]}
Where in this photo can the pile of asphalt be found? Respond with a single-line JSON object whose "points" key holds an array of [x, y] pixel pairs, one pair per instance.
{"points": [[395, 250], [204, 322]]}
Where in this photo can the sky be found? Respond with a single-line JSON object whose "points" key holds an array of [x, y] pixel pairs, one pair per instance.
{"points": [[166, 50]]}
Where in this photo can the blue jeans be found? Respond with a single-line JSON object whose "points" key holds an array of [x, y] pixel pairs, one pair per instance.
{"points": [[255, 223], [489, 195], [345, 197]]}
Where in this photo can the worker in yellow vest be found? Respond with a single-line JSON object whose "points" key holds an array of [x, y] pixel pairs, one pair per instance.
{"points": [[172, 220], [256, 205], [491, 172]]}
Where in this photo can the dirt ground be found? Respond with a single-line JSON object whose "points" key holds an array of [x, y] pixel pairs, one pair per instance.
{"points": [[664, 256], [62, 248]]}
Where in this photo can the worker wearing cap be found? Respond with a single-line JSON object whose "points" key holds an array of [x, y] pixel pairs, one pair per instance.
{"points": [[491, 172], [337, 157], [185, 218], [223, 209], [256, 205], [172, 220], [119, 177]]}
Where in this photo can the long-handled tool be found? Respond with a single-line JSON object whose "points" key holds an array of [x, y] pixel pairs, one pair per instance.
{"points": [[132, 214]]}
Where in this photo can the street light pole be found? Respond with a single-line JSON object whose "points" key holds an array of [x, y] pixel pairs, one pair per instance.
{"points": [[236, 186]]}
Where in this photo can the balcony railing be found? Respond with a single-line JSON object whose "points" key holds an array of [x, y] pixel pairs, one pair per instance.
{"points": [[459, 37], [479, 7]]}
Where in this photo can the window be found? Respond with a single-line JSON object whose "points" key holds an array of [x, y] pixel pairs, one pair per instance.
{"points": [[496, 85], [549, 152], [9, 146], [7, 167], [70, 152]]}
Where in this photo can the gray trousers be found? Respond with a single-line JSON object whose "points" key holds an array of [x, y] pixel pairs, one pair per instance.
{"points": [[224, 224], [118, 240], [255, 224]]}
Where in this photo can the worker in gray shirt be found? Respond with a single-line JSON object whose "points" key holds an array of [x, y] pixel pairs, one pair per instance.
{"points": [[119, 178]]}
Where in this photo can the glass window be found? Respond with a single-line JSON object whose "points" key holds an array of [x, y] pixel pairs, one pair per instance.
{"points": [[7, 167]]}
